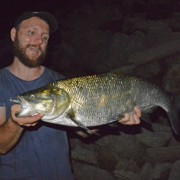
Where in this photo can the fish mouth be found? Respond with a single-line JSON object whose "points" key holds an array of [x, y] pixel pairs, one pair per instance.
{"points": [[16, 100], [26, 109]]}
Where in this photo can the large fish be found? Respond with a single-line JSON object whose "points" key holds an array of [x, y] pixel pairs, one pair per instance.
{"points": [[96, 100]]}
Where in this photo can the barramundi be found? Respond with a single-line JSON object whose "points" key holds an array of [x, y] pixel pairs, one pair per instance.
{"points": [[96, 100]]}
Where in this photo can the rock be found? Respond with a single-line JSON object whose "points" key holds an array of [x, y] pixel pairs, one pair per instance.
{"points": [[84, 171], [121, 174], [163, 154], [146, 171], [127, 165], [161, 171], [84, 155], [175, 174], [154, 139], [172, 79]]}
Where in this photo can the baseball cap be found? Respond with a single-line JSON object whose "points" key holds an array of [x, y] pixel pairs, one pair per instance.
{"points": [[46, 16]]}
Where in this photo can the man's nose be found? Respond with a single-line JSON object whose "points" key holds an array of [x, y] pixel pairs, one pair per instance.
{"points": [[38, 39]]}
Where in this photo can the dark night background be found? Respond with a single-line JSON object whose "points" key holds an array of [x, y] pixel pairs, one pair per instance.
{"points": [[63, 9], [140, 37], [10, 9]]}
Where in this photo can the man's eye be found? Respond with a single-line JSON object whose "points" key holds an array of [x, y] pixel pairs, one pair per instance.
{"points": [[45, 38], [31, 32]]}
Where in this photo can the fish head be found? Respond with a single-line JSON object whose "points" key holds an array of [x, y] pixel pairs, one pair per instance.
{"points": [[49, 102]]}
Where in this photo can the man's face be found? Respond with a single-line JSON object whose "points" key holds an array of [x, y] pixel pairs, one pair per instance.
{"points": [[30, 42]]}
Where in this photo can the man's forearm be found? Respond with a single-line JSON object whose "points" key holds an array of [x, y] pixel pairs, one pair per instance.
{"points": [[10, 133]]}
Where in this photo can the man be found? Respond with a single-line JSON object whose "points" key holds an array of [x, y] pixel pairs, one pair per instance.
{"points": [[30, 148]]}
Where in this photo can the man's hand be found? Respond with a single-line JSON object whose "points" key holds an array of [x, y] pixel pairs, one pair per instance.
{"points": [[25, 121], [131, 119]]}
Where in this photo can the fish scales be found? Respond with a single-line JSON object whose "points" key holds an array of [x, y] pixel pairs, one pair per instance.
{"points": [[97, 89], [98, 99]]}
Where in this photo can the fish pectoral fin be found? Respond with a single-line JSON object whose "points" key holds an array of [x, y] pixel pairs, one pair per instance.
{"points": [[89, 131], [78, 123]]}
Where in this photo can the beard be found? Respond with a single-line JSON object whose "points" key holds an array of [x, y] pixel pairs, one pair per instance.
{"points": [[20, 52]]}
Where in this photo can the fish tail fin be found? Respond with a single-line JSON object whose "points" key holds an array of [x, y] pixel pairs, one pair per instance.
{"points": [[174, 117]]}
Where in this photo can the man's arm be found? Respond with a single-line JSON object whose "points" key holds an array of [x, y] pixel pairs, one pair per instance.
{"points": [[10, 130]]}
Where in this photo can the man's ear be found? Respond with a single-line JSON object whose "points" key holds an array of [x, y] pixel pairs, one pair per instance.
{"points": [[13, 34]]}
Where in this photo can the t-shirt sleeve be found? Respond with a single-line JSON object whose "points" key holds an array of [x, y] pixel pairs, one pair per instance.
{"points": [[2, 103], [2, 100]]}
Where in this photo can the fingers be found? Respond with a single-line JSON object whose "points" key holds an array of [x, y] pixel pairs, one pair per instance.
{"points": [[135, 118], [28, 125], [131, 118], [27, 121], [24, 121], [137, 111]]}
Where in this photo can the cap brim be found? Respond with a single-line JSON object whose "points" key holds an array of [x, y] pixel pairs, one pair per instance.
{"points": [[47, 17]]}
